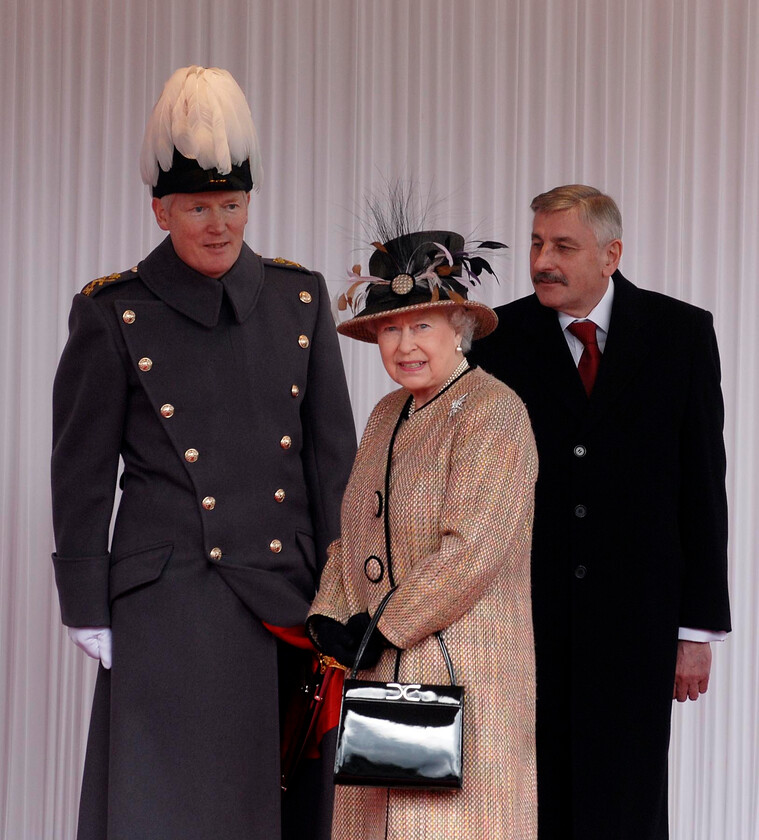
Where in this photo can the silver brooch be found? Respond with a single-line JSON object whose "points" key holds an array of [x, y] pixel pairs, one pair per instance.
{"points": [[457, 405]]}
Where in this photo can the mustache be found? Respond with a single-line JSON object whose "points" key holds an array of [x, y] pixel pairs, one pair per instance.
{"points": [[547, 277]]}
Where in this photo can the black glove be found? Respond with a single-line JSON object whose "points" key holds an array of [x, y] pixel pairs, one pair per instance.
{"points": [[356, 626], [333, 639]]}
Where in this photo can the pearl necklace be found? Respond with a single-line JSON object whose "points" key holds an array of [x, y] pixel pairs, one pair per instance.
{"points": [[463, 365]]}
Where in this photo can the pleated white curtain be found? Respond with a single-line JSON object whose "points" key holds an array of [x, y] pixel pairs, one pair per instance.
{"points": [[484, 103]]}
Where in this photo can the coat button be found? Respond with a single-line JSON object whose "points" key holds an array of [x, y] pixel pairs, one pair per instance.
{"points": [[275, 546], [295, 390], [373, 569], [279, 495], [209, 503], [581, 511], [128, 317], [305, 297], [286, 442], [167, 410], [191, 455], [580, 451], [145, 363], [580, 572], [215, 554], [303, 341]]}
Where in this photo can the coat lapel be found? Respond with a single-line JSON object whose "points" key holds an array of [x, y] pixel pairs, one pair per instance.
{"points": [[550, 359], [199, 297], [626, 347]]}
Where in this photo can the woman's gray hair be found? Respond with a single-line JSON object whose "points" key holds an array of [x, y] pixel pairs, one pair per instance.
{"points": [[596, 210], [463, 321]]}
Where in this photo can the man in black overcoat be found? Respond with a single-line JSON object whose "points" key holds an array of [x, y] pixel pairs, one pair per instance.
{"points": [[216, 377], [629, 546]]}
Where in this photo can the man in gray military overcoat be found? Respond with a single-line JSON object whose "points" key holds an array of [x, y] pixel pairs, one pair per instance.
{"points": [[216, 376]]}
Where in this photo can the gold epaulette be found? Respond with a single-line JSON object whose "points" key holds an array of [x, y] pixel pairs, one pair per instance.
{"points": [[95, 285], [287, 263]]}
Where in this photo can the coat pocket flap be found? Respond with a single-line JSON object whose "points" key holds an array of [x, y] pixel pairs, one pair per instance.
{"points": [[138, 568]]}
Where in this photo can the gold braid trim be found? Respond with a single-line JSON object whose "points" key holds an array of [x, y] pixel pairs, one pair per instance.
{"points": [[283, 261], [101, 281]]}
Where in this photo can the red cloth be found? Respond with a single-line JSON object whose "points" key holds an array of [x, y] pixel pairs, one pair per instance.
{"points": [[295, 636], [326, 712], [332, 693]]}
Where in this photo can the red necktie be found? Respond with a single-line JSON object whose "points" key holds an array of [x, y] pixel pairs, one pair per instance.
{"points": [[591, 355]]}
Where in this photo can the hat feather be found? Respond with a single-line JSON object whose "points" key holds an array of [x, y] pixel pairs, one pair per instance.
{"points": [[158, 145], [203, 113]]}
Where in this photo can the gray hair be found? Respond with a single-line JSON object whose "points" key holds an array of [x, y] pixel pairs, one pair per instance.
{"points": [[463, 321], [595, 209]]}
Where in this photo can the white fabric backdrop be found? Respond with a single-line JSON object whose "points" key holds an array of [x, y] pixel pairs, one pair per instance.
{"points": [[486, 102]]}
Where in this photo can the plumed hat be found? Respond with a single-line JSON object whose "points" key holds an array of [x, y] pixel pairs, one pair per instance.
{"points": [[419, 270], [200, 136]]}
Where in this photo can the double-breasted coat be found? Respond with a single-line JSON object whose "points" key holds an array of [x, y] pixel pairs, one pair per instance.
{"points": [[629, 544], [459, 512], [227, 403]]}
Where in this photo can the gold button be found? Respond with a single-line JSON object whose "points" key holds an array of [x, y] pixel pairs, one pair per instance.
{"points": [[167, 410], [303, 341], [286, 442], [191, 455], [279, 495], [145, 363], [295, 390], [209, 503], [305, 297], [128, 317], [215, 554], [275, 546]]}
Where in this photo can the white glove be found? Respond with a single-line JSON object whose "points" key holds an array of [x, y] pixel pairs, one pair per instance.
{"points": [[94, 641]]}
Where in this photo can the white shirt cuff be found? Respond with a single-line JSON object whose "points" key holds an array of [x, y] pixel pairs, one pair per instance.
{"points": [[689, 634]]}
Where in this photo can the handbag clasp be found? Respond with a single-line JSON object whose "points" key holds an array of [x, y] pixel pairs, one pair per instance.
{"points": [[405, 692]]}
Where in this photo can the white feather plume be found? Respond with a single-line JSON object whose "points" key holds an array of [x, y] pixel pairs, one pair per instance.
{"points": [[203, 113]]}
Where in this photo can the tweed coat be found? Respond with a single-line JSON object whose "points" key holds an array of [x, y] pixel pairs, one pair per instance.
{"points": [[460, 515], [226, 400], [629, 544]]}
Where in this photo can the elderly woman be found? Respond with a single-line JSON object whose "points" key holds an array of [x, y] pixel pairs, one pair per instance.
{"points": [[439, 504]]}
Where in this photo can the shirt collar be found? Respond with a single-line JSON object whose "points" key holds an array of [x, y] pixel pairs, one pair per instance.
{"points": [[600, 314], [197, 296]]}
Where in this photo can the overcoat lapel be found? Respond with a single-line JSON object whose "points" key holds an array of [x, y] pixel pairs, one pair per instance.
{"points": [[551, 360], [200, 297], [625, 352]]}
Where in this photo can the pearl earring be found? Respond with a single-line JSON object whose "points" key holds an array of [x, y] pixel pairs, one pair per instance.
{"points": [[458, 349]]}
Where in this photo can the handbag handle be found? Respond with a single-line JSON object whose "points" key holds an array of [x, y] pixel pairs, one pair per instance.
{"points": [[373, 626]]}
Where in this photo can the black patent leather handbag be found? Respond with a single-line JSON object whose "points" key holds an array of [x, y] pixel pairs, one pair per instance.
{"points": [[400, 735]]}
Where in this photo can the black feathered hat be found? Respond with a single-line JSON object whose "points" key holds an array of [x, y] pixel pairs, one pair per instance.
{"points": [[419, 270]]}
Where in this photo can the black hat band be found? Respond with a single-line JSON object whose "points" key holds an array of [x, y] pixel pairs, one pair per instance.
{"points": [[187, 176]]}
